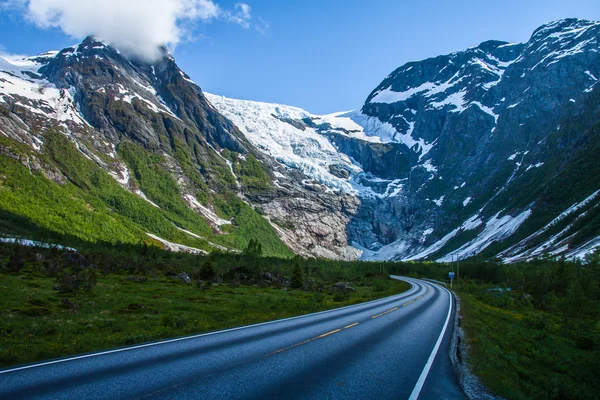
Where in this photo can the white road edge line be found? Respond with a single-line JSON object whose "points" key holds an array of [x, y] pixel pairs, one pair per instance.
{"points": [[417, 390], [197, 336]]}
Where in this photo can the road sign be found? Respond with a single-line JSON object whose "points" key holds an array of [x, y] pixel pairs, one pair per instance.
{"points": [[451, 275]]}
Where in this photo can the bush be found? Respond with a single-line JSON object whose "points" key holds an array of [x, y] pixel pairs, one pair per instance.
{"points": [[77, 278], [341, 296], [319, 297], [380, 285]]}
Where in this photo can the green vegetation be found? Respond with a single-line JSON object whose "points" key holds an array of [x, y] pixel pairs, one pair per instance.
{"points": [[297, 277], [252, 173], [535, 332], [90, 206], [57, 303]]}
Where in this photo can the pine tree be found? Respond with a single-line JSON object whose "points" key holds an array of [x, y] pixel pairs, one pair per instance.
{"points": [[207, 271], [297, 276]]}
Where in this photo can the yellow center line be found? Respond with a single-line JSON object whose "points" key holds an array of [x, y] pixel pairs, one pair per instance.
{"points": [[385, 312], [289, 347], [420, 297], [351, 325], [326, 334], [407, 303]]}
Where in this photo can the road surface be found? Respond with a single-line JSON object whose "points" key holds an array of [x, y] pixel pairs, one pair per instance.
{"points": [[392, 348]]}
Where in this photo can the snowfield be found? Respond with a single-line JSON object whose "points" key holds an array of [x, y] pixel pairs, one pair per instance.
{"points": [[278, 130]]}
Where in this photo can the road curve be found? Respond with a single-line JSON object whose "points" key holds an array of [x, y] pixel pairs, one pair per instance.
{"points": [[391, 348]]}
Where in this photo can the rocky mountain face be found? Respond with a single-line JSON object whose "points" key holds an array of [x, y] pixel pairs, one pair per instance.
{"points": [[69, 116], [496, 128], [490, 151]]}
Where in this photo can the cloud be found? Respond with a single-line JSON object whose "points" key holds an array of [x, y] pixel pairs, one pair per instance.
{"points": [[241, 15], [262, 26], [136, 27]]}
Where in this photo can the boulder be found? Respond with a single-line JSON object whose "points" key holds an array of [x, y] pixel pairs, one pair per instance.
{"points": [[184, 277], [342, 287]]}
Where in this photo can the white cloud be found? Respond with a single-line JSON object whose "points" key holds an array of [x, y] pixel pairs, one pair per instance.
{"points": [[261, 26], [241, 15], [136, 27]]}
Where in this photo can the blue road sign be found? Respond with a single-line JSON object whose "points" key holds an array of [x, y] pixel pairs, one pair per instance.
{"points": [[451, 275]]}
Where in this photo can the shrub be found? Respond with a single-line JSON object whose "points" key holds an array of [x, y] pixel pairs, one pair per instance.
{"points": [[297, 277], [341, 296], [319, 297], [381, 285], [77, 278]]}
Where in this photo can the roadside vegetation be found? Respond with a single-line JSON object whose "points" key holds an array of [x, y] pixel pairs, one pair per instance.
{"points": [[534, 331], [57, 303]]}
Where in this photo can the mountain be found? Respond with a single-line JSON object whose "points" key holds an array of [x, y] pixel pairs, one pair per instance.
{"points": [[490, 151], [96, 146]]}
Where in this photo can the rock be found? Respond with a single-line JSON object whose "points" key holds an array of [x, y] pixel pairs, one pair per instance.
{"points": [[342, 287], [339, 171], [183, 277], [268, 276]]}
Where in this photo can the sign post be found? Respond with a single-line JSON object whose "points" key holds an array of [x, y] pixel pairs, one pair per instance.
{"points": [[451, 276]]}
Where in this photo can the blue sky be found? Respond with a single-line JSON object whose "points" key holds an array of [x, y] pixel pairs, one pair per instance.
{"points": [[325, 55]]}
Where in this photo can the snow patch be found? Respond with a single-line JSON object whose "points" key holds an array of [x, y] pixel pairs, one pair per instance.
{"points": [[495, 229], [206, 212], [143, 196], [176, 247]]}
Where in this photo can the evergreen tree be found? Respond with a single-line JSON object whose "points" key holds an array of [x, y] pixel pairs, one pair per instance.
{"points": [[207, 271], [297, 276]]}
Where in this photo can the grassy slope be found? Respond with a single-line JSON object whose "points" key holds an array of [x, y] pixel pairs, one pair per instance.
{"points": [[92, 206], [37, 322]]}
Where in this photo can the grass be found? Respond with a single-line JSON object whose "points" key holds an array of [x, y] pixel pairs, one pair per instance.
{"points": [[37, 322], [91, 206], [521, 352]]}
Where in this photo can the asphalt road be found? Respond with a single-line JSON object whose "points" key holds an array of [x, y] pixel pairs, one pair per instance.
{"points": [[392, 348]]}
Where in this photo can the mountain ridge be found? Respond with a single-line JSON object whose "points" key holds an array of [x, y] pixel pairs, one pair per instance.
{"points": [[435, 163]]}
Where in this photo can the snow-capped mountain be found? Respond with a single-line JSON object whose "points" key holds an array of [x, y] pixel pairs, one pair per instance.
{"points": [[185, 173], [489, 151], [506, 123], [479, 146]]}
